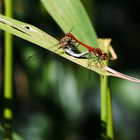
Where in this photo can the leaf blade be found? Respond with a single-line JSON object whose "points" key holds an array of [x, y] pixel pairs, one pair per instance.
{"points": [[70, 14], [44, 40]]}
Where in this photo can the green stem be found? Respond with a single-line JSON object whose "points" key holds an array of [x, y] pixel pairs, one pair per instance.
{"points": [[8, 114], [106, 110], [109, 120], [106, 107], [104, 83]]}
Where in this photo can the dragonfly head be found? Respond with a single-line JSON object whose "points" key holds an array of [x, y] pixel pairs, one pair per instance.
{"points": [[104, 56], [64, 41]]}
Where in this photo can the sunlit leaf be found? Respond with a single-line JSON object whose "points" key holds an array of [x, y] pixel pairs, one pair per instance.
{"points": [[42, 39], [70, 14]]}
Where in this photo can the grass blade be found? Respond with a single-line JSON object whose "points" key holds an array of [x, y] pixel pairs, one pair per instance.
{"points": [[42, 39], [70, 14]]}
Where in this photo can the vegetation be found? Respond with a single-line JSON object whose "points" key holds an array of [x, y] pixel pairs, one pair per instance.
{"points": [[53, 98]]}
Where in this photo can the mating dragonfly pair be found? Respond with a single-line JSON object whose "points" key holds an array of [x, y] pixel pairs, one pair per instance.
{"points": [[69, 43]]}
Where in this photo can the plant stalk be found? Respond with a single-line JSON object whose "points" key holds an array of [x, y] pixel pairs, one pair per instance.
{"points": [[8, 95], [106, 106]]}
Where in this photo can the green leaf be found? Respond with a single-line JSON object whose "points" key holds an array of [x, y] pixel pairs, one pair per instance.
{"points": [[38, 37], [42, 39], [70, 14]]}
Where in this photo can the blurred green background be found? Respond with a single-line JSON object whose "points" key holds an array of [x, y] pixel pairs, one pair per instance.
{"points": [[57, 99]]}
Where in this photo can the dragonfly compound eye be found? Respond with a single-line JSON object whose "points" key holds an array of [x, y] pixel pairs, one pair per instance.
{"points": [[104, 56]]}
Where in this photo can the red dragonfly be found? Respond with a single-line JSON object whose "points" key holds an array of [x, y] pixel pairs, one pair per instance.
{"points": [[96, 51], [68, 43]]}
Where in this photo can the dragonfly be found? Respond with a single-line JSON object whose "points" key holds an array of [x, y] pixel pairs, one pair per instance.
{"points": [[94, 52]]}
